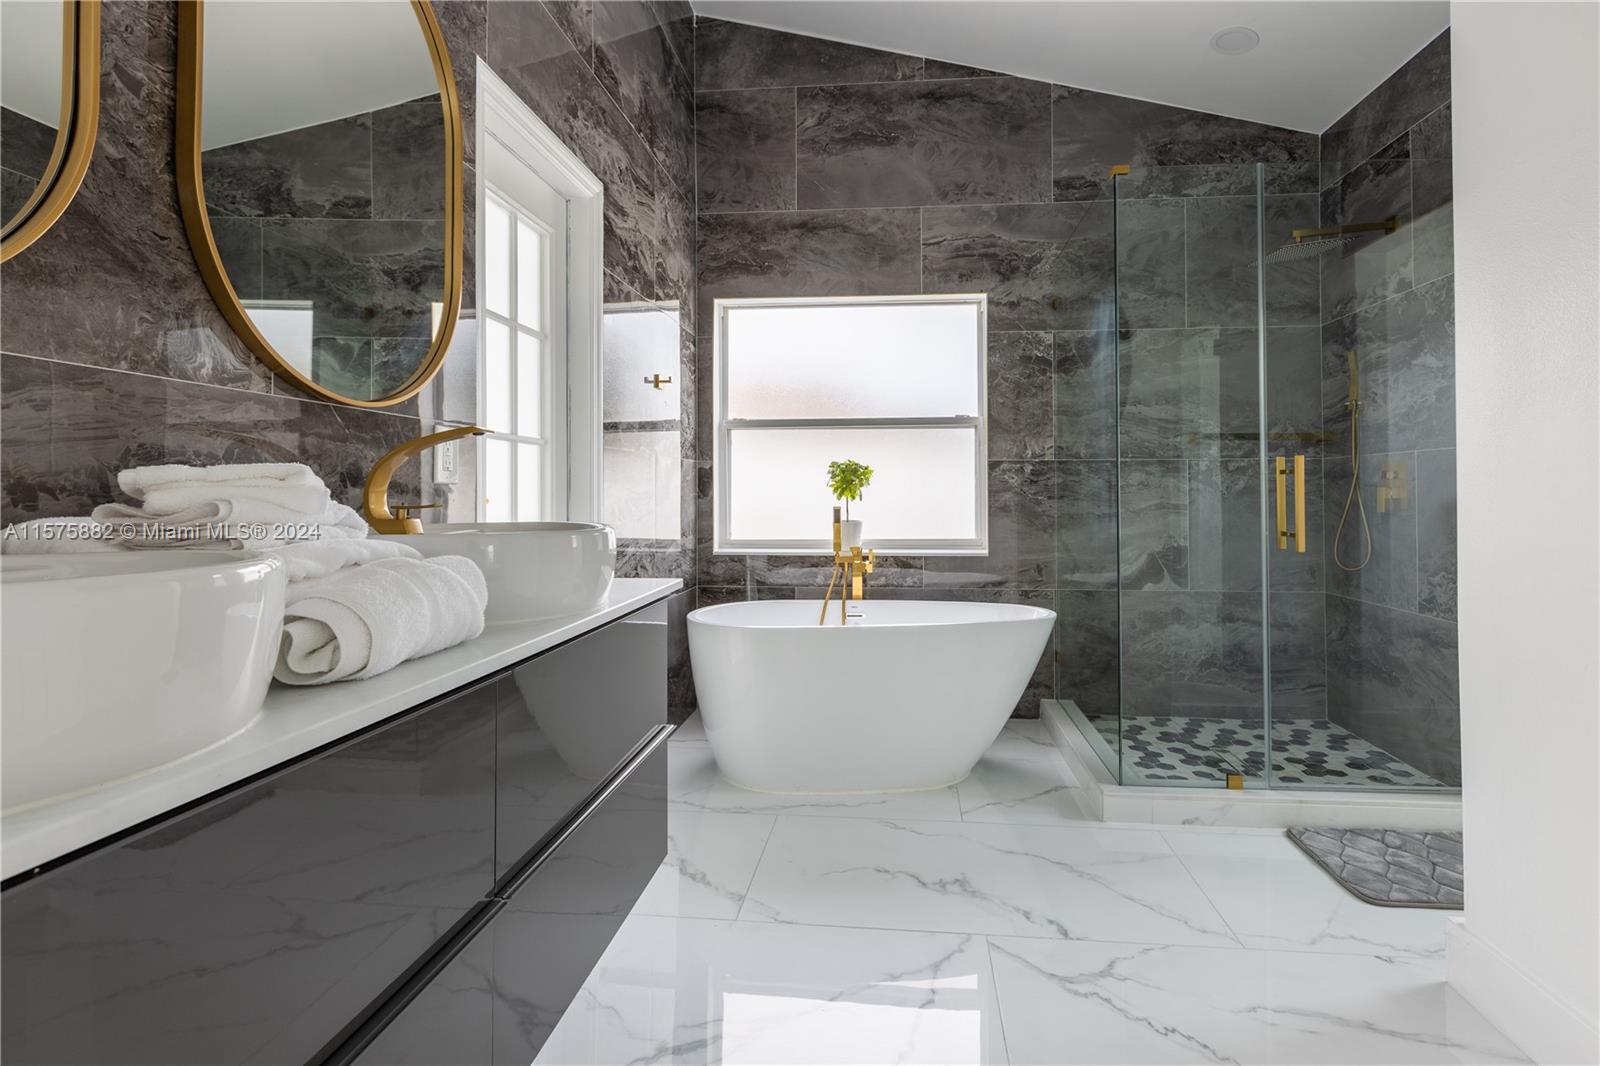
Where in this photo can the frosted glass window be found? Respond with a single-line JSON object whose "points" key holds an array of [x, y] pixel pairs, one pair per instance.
{"points": [[497, 376], [530, 375], [896, 383], [923, 482], [497, 258], [884, 360], [497, 496], [530, 275], [521, 324]]}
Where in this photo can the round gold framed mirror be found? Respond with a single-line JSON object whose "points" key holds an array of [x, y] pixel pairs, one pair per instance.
{"points": [[320, 177], [49, 112]]}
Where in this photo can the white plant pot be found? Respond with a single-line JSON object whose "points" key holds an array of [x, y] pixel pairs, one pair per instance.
{"points": [[850, 533]]}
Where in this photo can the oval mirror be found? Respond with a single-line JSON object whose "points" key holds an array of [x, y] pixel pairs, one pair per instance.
{"points": [[319, 169], [49, 110]]}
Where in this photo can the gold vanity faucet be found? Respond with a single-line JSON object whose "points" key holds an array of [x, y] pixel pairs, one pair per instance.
{"points": [[375, 497], [853, 565]]}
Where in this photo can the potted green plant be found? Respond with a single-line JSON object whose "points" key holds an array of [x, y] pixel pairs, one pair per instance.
{"points": [[847, 478]]}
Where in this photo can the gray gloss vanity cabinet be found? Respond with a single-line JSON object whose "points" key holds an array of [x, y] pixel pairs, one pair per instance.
{"points": [[325, 911]]}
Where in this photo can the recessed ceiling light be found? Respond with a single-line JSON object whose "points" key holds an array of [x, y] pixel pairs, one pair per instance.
{"points": [[1235, 40]]}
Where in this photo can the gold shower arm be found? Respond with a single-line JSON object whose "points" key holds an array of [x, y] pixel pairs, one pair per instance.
{"points": [[1388, 225]]}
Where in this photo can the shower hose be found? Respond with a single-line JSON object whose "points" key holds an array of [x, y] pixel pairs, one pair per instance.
{"points": [[1354, 495]]}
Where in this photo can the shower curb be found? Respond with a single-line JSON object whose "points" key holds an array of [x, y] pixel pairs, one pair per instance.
{"points": [[1252, 808]]}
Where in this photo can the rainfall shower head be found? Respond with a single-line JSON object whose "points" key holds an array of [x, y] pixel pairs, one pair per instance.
{"points": [[1305, 243]]}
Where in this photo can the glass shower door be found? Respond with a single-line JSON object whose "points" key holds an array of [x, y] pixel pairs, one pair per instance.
{"points": [[1191, 491]]}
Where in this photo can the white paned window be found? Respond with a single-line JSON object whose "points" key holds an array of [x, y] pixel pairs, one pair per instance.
{"points": [[520, 375], [896, 383]]}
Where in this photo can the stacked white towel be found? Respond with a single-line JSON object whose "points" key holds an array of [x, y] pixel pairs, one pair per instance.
{"points": [[244, 505], [360, 621]]}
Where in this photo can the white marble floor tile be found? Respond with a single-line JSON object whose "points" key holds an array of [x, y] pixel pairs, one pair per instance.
{"points": [[1072, 1002], [1273, 896], [1023, 788], [695, 991], [695, 785], [1026, 736], [1025, 880], [710, 860]]}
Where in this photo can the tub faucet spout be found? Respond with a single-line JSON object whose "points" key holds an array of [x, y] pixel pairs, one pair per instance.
{"points": [[852, 566]]}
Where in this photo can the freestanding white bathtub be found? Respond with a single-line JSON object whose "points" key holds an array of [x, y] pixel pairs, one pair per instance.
{"points": [[908, 696]]}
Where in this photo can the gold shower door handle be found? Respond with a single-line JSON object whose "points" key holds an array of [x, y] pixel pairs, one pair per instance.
{"points": [[1299, 533], [1281, 476]]}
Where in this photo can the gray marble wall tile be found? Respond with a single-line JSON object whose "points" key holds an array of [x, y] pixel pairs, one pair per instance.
{"points": [[1192, 653], [1394, 679], [407, 159], [1432, 198], [1096, 131], [1086, 524], [465, 24], [1150, 259], [982, 140], [1294, 393], [15, 190], [635, 62], [1436, 533], [807, 253], [1087, 667], [1044, 266], [745, 150], [539, 62], [1299, 655], [1375, 266], [731, 55], [1405, 349], [1152, 530], [1085, 400], [1020, 372], [100, 422], [939, 68], [1188, 392], [576, 20], [1022, 510], [1226, 545], [113, 283], [713, 595], [674, 256], [677, 18], [321, 171], [1390, 574], [1220, 267], [1418, 87]]}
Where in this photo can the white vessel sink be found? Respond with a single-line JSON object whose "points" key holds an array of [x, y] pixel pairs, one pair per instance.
{"points": [[119, 662], [535, 570]]}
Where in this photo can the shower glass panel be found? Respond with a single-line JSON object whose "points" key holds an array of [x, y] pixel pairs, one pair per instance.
{"points": [[1190, 590], [1255, 526]]}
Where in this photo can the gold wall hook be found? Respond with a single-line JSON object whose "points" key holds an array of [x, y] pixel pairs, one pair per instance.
{"points": [[657, 380]]}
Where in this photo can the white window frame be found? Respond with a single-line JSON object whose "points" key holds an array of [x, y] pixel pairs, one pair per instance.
{"points": [[503, 116], [721, 437]]}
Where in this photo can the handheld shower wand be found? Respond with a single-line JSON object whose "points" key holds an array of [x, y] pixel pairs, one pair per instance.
{"points": [[1354, 496]]}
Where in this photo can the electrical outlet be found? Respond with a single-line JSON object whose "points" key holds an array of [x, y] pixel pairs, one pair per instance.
{"points": [[446, 468]]}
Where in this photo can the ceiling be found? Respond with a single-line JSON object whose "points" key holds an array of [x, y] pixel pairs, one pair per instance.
{"points": [[1316, 59]]}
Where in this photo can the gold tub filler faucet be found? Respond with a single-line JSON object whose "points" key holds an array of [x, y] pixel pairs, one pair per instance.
{"points": [[853, 566]]}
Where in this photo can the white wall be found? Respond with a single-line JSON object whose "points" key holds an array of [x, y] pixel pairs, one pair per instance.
{"points": [[1525, 92]]}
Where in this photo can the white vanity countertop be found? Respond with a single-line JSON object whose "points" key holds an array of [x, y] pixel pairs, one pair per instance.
{"points": [[292, 722]]}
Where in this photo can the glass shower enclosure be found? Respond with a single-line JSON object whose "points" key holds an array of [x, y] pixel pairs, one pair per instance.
{"points": [[1229, 496]]}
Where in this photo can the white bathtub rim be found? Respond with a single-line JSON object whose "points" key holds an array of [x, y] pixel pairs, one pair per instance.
{"points": [[1016, 612]]}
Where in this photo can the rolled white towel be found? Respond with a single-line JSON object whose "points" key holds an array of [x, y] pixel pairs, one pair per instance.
{"points": [[57, 536], [174, 489], [361, 621]]}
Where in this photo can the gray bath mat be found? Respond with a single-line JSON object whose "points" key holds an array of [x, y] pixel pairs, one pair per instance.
{"points": [[1388, 867]]}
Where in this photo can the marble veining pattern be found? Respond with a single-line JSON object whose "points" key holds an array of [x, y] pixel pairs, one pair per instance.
{"points": [[1009, 928]]}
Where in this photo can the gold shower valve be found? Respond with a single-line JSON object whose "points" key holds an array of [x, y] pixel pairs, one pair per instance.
{"points": [[1393, 489]]}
